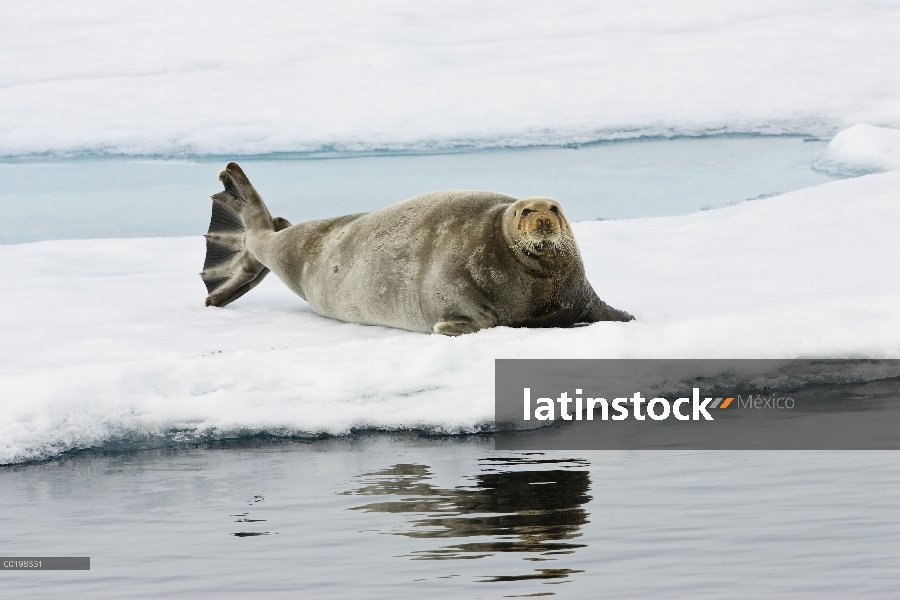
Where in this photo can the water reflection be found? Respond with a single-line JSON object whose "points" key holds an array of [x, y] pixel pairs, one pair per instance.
{"points": [[522, 504]]}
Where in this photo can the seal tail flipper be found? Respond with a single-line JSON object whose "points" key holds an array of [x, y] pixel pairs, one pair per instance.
{"points": [[230, 269]]}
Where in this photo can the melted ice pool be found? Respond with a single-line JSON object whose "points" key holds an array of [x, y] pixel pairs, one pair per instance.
{"points": [[117, 197]]}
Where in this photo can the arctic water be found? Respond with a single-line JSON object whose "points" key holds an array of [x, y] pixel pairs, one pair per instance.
{"points": [[400, 516]]}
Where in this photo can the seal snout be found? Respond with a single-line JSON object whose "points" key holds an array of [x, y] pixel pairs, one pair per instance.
{"points": [[541, 219], [544, 226]]}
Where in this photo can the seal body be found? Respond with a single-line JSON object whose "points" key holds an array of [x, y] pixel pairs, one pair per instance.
{"points": [[447, 262]]}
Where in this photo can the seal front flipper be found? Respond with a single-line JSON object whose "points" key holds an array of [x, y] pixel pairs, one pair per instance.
{"points": [[230, 269], [601, 311], [454, 328], [461, 325]]}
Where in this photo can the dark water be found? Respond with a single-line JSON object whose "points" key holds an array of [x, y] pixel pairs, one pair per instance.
{"points": [[117, 197], [402, 516]]}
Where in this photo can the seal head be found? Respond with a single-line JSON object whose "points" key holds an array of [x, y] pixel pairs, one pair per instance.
{"points": [[536, 228]]}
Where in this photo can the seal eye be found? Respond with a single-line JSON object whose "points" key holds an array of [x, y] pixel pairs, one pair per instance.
{"points": [[554, 210], [526, 211]]}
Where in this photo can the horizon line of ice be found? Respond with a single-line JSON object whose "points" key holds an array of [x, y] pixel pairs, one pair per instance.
{"points": [[860, 149], [437, 145]]}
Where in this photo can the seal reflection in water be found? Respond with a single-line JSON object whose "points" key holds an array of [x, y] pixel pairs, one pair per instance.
{"points": [[538, 509], [448, 262]]}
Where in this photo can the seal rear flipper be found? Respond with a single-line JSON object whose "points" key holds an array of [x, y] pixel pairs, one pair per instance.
{"points": [[232, 289], [243, 200], [230, 269]]}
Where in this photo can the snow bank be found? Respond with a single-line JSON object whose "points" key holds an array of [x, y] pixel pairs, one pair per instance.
{"points": [[225, 77], [861, 149], [107, 341]]}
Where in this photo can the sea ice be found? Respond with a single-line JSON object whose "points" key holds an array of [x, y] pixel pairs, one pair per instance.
{"points": [[108, 340], [219, 77]]}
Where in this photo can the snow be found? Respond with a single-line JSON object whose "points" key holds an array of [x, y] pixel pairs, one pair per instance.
{"points": [[108, 341], [862, 149], [224, 77]]}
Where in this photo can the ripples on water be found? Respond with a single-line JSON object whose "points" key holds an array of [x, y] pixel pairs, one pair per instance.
{"points": [[386, 516]]}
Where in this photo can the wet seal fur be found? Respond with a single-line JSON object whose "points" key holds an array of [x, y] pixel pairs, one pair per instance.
{"points": [[451, 262]]}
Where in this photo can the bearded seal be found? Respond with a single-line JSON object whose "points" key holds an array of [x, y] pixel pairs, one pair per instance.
{"points": [[451, 262]]}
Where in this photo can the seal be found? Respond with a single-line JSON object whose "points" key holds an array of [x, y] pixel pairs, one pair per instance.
{"points": [[451, 262]]}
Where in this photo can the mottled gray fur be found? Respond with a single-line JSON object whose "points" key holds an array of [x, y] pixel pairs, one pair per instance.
{"points": [[449, 262]]}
